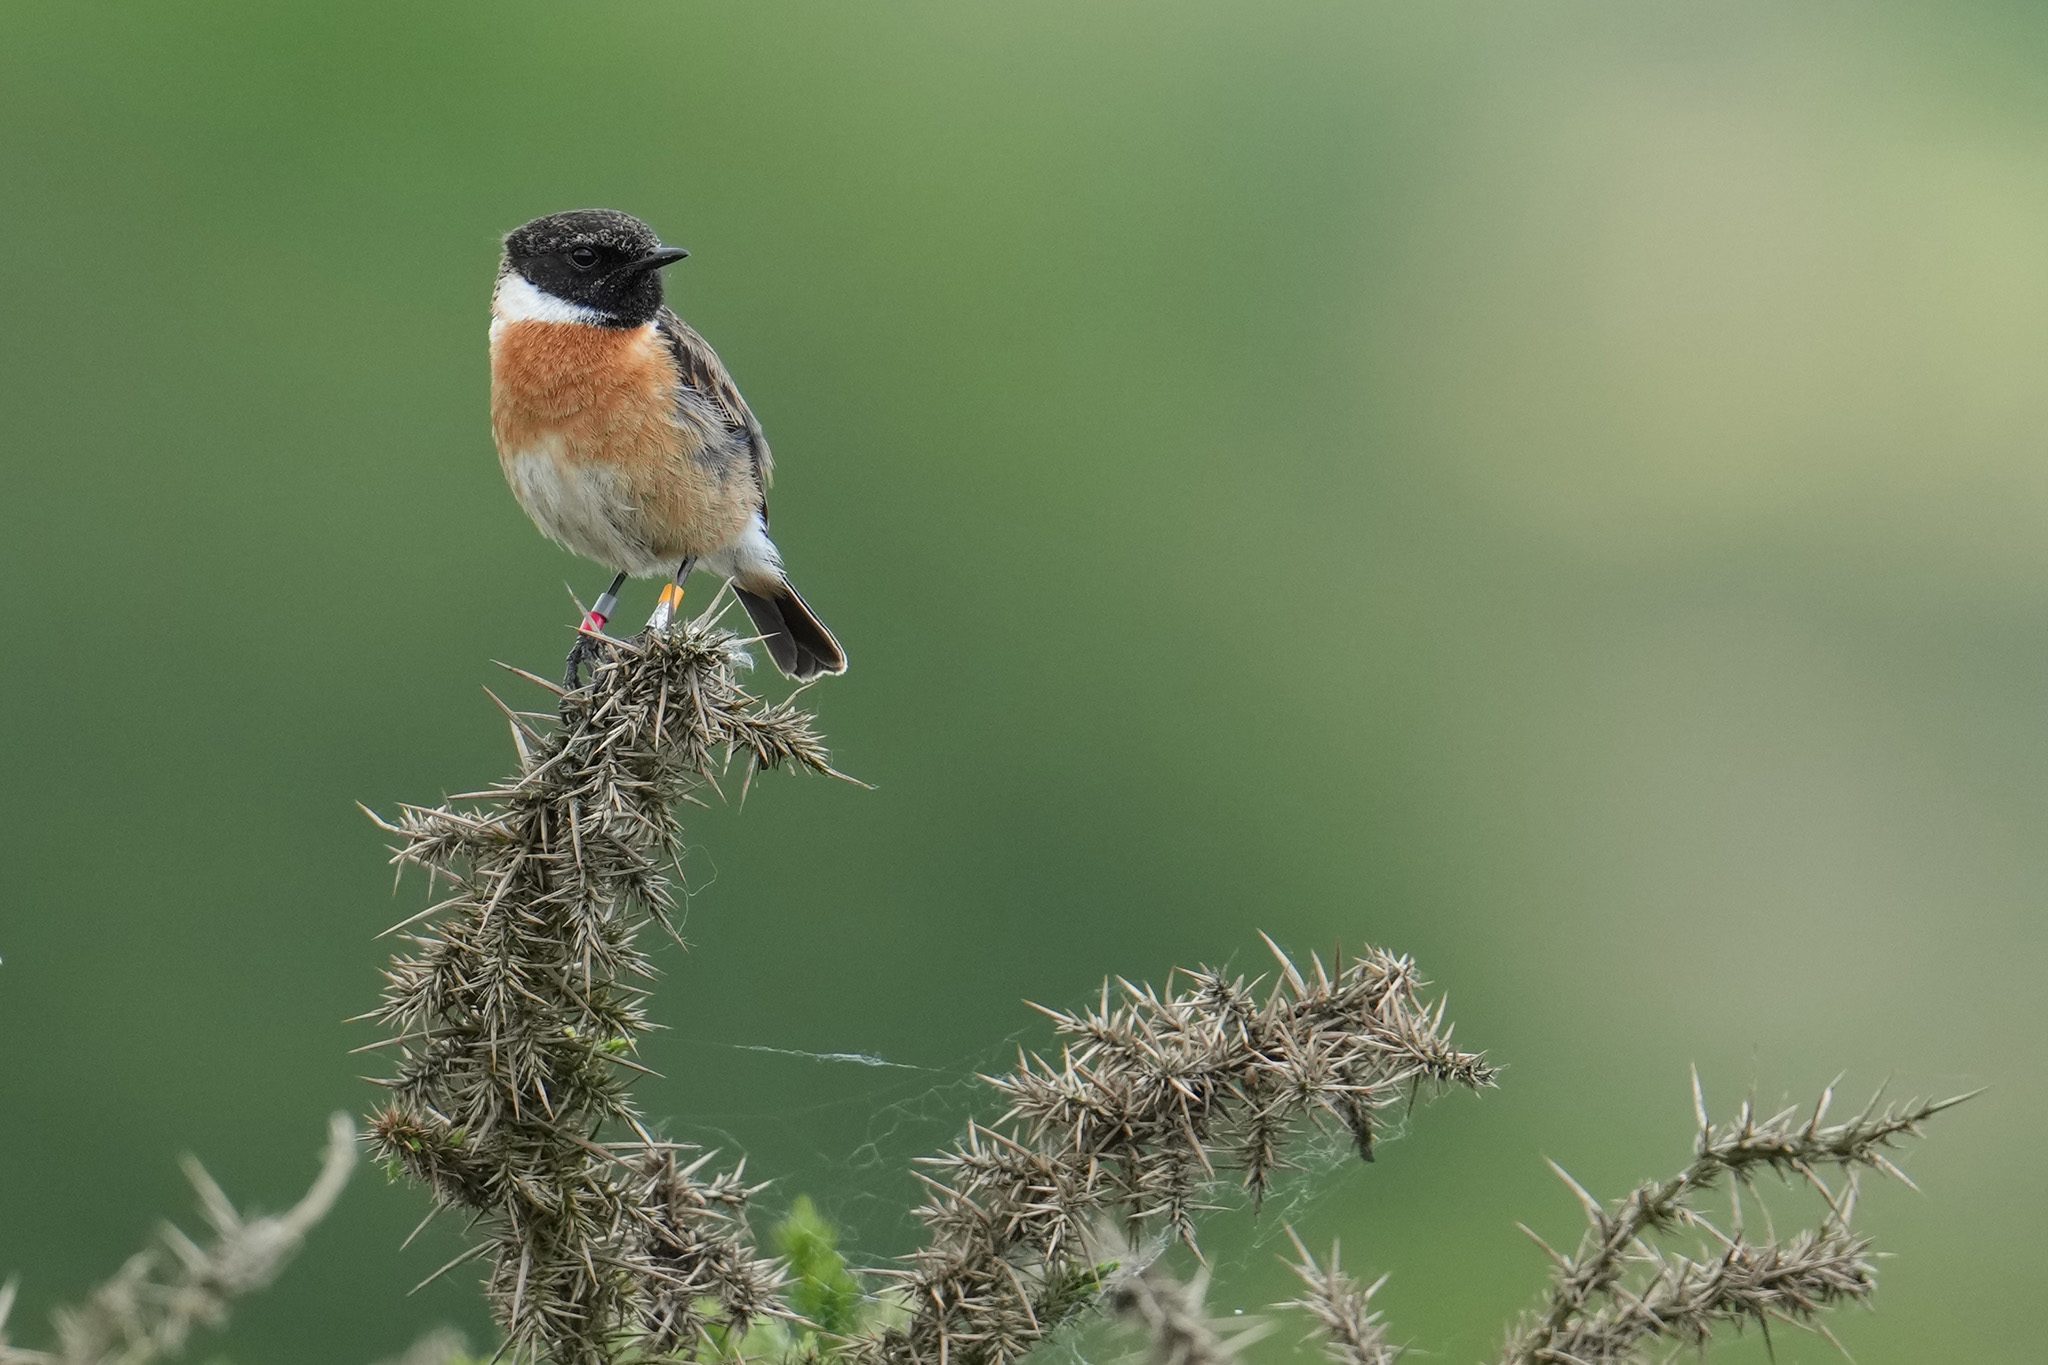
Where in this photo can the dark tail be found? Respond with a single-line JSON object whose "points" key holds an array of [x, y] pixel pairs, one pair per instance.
{"points": [[798, 641]]}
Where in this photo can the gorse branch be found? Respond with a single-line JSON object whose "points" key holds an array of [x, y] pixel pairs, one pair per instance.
{"points": [[1685, 1300], [1169, 1313], [1154, 1098], [513, 1013], [1594, 1313], [153, 1305], [1352, 1332]]}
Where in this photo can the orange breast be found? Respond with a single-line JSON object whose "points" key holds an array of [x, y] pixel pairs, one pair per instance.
{"points": [[594, 393], [578, 398]]}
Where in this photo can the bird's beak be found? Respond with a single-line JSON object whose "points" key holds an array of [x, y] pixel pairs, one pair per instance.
{"points": [[659, 257]]}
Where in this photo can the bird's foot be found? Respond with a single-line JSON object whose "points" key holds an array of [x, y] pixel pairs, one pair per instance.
{"points": [[583, 652]]}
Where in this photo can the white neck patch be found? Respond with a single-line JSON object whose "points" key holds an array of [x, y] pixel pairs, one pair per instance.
{"points": [[518, 300]]}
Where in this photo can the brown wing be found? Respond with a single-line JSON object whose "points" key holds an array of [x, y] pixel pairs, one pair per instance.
{"points": [[709, 399]]}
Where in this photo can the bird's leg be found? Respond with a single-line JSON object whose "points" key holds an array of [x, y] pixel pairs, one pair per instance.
{"points": [[671, 597], [585, 649]]}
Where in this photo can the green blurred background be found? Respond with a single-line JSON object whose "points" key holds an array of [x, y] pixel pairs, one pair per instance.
{"points": [[1557, 490]]}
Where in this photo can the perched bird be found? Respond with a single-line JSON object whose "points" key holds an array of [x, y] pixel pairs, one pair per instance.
{"points": [[625, 439]]}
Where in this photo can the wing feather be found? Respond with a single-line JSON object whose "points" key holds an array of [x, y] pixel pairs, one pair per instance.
{"points": [[709, 395]]}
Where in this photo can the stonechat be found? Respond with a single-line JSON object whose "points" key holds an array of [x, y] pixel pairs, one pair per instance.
{"points": [[624, 437]]}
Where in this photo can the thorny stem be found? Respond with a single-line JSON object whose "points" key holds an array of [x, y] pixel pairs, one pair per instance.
{"points": [[165, 1293], [1341, 1308], [513, 1015], [515, 1010], [1170, 1315], [1134, 1122], [1738, 1150]]}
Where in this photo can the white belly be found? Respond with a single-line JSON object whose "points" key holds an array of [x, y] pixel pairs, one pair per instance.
{"points": [[582, 507]]}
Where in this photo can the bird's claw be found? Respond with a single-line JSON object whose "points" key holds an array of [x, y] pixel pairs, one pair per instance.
{"points": [[583, 652]]}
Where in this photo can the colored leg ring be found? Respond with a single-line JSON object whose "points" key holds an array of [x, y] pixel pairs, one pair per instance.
{"points": [[601, 611]]}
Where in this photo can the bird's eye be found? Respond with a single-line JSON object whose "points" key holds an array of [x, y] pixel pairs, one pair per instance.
{"points": [[582, 257]]}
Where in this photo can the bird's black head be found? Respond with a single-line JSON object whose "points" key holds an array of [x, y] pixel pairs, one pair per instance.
{"points": [[589, 265]]}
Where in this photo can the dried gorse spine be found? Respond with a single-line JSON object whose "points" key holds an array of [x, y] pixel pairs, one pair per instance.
{"points": [[513, 1013]]}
